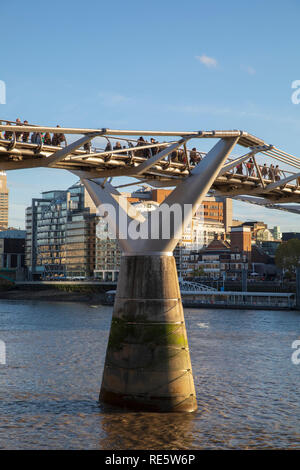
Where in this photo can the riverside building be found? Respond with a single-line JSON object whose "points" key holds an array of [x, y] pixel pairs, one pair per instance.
{"points": [[12, 251], [60, 235], [3, 201]]}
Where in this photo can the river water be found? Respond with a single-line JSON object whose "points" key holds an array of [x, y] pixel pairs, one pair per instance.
{"points": [[247, 386]]}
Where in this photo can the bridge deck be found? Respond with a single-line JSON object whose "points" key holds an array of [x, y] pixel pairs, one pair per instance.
{"points": [[165, 171]]}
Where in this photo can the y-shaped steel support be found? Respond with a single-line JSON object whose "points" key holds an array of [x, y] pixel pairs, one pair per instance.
{"points": [[147, 364]]}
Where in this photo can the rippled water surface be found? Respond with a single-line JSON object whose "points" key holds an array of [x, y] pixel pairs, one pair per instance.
{"points": [[247, 387]]}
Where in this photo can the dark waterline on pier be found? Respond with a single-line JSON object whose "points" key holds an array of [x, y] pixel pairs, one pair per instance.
{"points": [[247, 386]]}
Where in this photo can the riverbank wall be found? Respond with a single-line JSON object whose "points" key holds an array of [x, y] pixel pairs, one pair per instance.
{"points": [[55, 292]]}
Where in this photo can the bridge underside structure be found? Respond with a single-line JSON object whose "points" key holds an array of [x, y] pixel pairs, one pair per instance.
{"points": [[147, 364]]}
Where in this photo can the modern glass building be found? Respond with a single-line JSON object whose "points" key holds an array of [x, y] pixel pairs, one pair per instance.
{"points": [[60, 234]]}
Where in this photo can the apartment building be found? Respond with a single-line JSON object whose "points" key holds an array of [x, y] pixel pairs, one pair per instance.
{"points": [[221, 258], [60, 234]]}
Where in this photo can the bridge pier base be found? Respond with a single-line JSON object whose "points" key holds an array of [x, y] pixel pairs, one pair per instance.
{"points": [[147, 365]]}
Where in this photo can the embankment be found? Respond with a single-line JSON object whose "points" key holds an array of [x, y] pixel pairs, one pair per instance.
{"points": [[55, 293]]}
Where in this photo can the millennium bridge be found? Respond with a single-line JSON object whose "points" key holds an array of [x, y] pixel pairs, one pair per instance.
{"points": [[147, 364], [160, 170]]}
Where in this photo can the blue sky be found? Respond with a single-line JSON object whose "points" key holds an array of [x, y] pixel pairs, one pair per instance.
{"points": [[154, 65]]}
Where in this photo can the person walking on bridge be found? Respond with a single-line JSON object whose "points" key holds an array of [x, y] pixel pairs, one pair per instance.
{"points": [[58, 139], [8, 134], [25, 137], [140, 143], [47, 139], [87, 147], [144, 152], [108, 147], [37, 138], [181, 156], [277, 173], [264, 171], [154, 150], [118, 146], [239, 169], [250, 166], [19, 134], [194, 156], [271, 172]]}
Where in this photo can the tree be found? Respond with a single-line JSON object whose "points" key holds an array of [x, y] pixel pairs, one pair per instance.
{"points": [[287, 256], [198, 271]]}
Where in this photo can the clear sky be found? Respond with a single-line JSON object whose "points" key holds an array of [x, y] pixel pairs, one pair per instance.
{"points": [[154, 65]]}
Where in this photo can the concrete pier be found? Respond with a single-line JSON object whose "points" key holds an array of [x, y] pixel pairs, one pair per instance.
{"points": [[147, 365]]}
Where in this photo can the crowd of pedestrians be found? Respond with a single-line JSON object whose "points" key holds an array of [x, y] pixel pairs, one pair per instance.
{"points": [[271, 173], [33, 137], [154, 147]]}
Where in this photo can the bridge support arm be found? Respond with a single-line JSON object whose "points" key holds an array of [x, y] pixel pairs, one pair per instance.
{"points": [[64, 152], [106, 196], [190, 193], [281, 182]]}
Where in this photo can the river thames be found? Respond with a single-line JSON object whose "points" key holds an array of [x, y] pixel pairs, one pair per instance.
{"points": [[247, 386]]}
